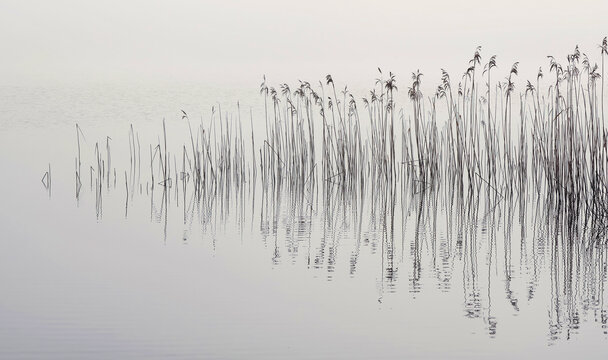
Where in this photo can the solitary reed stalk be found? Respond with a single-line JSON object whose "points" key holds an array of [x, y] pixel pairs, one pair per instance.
{"points": [[109, 160], [78, 134], [604, 51], [165, 167], [46, 180]]}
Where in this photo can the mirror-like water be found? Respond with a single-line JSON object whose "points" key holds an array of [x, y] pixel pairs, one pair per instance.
{"points": [[108, 263]]}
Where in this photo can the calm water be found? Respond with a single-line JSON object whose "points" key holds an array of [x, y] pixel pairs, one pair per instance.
{"points": [[249, 273]]}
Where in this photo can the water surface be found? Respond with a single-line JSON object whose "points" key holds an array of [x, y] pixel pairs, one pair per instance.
{"points": [[249, 272]]}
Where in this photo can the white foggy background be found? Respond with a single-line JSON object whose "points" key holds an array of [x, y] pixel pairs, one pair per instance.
{"points": [[106, 65], [236, 42]]}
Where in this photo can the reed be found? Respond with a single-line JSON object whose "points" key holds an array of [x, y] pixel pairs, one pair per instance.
{"points": [[548, 137]]}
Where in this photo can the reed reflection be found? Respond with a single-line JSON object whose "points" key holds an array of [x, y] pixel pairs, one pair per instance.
{"points": [[505, 207]]}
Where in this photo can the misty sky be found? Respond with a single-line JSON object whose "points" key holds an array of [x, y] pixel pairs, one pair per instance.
{"points": [[238, 41]]}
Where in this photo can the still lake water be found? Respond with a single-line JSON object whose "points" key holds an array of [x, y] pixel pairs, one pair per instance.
{"points": [[260, 275]]}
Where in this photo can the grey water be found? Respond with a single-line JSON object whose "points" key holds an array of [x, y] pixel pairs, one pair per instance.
{"points": [[132, 272]]}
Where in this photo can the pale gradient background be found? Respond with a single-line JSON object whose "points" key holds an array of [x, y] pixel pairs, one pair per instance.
{"points": [[75, 287], [238, 41]]}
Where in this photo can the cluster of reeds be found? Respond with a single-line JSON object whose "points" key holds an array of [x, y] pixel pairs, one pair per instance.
{"points": [[480, 149], [477, 134]]}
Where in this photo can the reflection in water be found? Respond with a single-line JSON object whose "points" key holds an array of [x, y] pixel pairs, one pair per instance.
{"points": [[461, 206], [505, 248]]}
